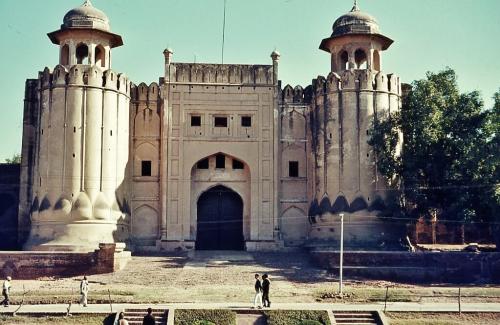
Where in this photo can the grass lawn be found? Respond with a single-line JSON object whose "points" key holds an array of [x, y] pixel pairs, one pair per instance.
{"points": [[443, 318], [52, 320], [410, 294]]}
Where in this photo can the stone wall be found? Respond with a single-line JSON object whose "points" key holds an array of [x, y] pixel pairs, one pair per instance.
{"points": [[32, 265], [9, 203], [442, 267]]}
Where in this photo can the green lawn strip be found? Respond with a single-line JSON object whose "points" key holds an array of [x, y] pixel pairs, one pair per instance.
{"points": [[354, 294], [412, 318], [197, 316], [53, 320], [297, 317]]}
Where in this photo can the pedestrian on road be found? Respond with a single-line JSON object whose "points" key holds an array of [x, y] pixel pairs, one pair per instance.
{"points": [[84, 291], [257, 301], [6, 292], [122, 320], [149, 319], [265, 290]]}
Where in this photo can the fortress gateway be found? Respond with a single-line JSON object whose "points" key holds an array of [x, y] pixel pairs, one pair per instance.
{"points": [[211, 157]]}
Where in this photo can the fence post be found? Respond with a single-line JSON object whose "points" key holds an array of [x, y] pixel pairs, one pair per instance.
{"points": [[386, 296], [460, 301], [110, 304]]}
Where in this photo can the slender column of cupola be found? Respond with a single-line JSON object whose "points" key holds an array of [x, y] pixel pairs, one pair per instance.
{"points": [[83, 150]]}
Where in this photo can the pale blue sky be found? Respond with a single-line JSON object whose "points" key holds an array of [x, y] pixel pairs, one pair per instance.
{"points": [[428, 34]]}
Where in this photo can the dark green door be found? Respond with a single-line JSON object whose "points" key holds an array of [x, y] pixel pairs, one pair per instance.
{"points": [[220, 220]]}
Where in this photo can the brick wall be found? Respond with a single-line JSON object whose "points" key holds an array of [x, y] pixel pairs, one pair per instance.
{"points": [[31, 265], [443, 267], [9, 203]]}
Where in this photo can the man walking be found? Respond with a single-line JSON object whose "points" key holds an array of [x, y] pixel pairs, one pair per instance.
{"points": [[149, 319], [257, 302], [265, 290], [84, 290], [6, 292]]}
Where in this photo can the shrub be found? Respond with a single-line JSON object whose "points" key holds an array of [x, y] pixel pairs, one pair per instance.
{"points": [[204, 317], [297, 317]]}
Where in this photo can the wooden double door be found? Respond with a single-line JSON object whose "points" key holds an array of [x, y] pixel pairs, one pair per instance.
{"points": [[220, 220]]}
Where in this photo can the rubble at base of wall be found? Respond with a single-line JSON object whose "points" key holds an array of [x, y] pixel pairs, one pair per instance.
{"points": [[29, 265], [414, 267]]}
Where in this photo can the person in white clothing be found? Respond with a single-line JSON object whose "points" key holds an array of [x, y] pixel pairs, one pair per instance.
{"points": [[122, 320], [257, 302], [6, 292], [84, 290]]}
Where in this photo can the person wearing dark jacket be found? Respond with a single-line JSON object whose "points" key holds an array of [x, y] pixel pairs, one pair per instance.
{"points": [[149, 319], [257, 302], [265, 290]]}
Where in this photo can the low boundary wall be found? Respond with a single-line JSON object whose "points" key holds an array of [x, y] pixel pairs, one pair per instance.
{"points": [[443, 267], [32, 265]]}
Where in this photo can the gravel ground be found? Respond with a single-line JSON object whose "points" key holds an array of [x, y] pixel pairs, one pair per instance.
{"points": [[202, 278]]}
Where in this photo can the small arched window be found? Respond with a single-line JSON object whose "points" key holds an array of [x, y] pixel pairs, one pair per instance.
{"points": [[82, 53], [100, 56], [360, 59], [344, 60], [65, 55]]}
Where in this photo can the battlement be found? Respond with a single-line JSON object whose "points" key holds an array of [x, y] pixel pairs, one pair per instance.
{"points": [[363, 80], [84, 75], [143, 92], [237, 74], [296, 95]]}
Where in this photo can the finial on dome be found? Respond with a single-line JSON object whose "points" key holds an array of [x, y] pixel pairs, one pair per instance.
{"points": [[355, 7], [87, 3]]}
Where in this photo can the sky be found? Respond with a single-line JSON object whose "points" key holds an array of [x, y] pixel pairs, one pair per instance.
{"points": [[429, 35]]}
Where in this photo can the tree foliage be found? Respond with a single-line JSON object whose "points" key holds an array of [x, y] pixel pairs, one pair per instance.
{"points": [[16, 159], [449, 161]]}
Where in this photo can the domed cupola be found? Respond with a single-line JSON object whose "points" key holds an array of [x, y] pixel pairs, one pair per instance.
{"points": [[86, 16], [85, 37], [356, 41], [355, 22]]}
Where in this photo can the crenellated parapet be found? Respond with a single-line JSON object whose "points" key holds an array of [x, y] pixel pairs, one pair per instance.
{"points": [[144, 93], [202, 73], [362, 80], [84, 76]]}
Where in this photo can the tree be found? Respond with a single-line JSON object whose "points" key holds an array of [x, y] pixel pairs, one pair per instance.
{"points": [[16, 159], [449, 160]]}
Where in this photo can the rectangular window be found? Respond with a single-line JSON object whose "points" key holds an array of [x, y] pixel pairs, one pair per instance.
{"points": [[202, 164], [293, 169], [246, 121], [220, 161], [146, 168], [220, 122], [195, 120], [237, 164]]}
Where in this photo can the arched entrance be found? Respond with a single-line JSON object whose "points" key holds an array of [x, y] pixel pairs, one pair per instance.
{"points": [[220, 220]]}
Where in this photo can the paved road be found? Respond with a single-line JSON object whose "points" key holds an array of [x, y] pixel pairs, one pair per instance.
{"points": [[391, 307]]}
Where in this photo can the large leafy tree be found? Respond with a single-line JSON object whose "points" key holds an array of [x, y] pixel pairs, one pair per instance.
{"points": [[449, 162]]}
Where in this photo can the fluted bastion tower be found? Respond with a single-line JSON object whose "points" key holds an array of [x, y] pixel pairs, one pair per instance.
{"points": [[81, 139], [343, 107]]}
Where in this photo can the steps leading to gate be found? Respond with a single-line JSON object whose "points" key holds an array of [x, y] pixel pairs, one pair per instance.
{"points": [[135, 316], [356, 318]]}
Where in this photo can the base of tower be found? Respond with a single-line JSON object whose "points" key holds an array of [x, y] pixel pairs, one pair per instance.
{"points": [[363, 230], [73, 237]]}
